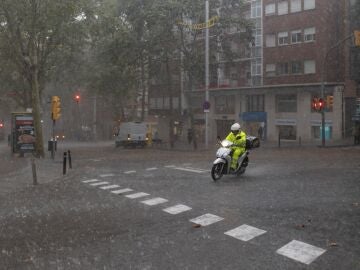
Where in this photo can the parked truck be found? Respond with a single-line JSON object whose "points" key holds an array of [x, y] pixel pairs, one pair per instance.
{"points": [[132, 134]]}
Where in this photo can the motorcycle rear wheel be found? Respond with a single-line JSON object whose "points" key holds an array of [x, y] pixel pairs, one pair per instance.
{"points": [[216, 171]]}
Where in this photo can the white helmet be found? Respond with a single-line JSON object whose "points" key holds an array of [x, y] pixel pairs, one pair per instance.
{"points": [[235, 127]]}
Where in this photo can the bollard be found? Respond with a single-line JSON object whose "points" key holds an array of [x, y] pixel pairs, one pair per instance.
{"points": [[69, 156], [64, 163], [33, 167], [279, 140]]}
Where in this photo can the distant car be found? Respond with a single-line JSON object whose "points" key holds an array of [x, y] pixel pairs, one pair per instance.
{"points": [[132, 134]]}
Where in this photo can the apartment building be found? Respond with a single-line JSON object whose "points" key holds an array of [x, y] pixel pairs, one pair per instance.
{"points": [[300, 51]]}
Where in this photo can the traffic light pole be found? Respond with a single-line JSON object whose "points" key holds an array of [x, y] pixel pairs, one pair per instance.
{"points": [[323, 72], [53, 141]]}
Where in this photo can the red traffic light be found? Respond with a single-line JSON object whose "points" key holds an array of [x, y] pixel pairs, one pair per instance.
{"points": [[321, 104], [77, 98], [1, 125]]}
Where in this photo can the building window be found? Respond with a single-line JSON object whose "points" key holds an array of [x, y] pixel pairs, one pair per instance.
{"points": [[295, 6], [225, 105], [256, 9], [270, 70], [296, 67], [270, 9], [287, 132], [283, 38], [256, 52], [255, 103], [316, 132], [270, 40], [283, 69], [296, 36], [283, 8], [256, 67], [257, 37], [309, 67], [309, 4], [309, 34], [286, 103]]}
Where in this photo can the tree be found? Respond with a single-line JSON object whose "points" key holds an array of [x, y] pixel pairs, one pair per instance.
{"points": [[34, 35]]}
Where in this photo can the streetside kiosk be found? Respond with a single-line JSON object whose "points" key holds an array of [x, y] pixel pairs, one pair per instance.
{"points": [[22, 132]]}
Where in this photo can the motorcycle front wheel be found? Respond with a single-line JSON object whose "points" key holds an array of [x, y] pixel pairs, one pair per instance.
{"points": [[216, 171]]}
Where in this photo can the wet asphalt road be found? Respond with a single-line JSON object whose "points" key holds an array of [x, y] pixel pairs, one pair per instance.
{"points": [[309, 194]]}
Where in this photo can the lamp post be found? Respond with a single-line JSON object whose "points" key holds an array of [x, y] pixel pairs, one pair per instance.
{"points": [[206, 74]]}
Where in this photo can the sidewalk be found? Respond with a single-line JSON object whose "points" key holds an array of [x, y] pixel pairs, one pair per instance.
{"points": [[16, 172]]}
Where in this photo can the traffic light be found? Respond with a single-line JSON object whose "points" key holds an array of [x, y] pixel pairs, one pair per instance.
{"points": [[1, 125], [314, 104], [77, 98], [55, 108], [317, 104], [321, 104], [357, 38], [329, 101]]}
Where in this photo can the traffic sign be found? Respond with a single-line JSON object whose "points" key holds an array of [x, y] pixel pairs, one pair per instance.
{"points": [[206, 106]]}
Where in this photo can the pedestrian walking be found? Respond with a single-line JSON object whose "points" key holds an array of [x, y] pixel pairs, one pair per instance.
{"points": [[190, 135], [356, 133]]}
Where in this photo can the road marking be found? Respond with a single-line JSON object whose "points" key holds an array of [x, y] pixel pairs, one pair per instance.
{"points": [[137, 195], [90, 181], [170, 166], [129, 172], [206, 219], [99, 184], [155, 201], [300, 251], [189, 169], [245, 232], [110, 187], [120, 191], [151, 169], [107, 175], [177, 209]]}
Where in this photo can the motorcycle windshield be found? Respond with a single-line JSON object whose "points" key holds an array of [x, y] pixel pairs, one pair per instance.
{"points": [[226, 143]]}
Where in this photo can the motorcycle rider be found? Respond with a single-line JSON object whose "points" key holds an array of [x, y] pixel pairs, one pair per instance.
{"points": [[238, 138]]}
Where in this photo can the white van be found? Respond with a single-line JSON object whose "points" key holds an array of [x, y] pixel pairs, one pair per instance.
{"points": [[132, 134]]}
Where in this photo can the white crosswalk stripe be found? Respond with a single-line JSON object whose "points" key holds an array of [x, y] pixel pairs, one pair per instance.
{"points": [[245, 232], [110, 187], [155, 201], [189, 169], [177, 209], [90, 181], [99, 184], [206, 219], [130, 172], [137, 195], [300, 251], [121, 191], [107, 175]]}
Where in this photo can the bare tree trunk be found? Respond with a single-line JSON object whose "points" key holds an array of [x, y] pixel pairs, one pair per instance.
{"points": [[143, 85], [36, 111], [171, 121]]}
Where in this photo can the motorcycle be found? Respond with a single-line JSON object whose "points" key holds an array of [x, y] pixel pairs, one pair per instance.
{"points": [[222, 163]]}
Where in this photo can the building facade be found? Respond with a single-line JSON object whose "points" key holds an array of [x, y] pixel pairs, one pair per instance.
{"points": [[300, 51]]}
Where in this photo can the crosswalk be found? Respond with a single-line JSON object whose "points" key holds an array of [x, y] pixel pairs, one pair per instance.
{"points": [[296, 250]]}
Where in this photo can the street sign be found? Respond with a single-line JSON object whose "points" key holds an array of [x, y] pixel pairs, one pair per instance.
{"points": [[206, 106]]}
